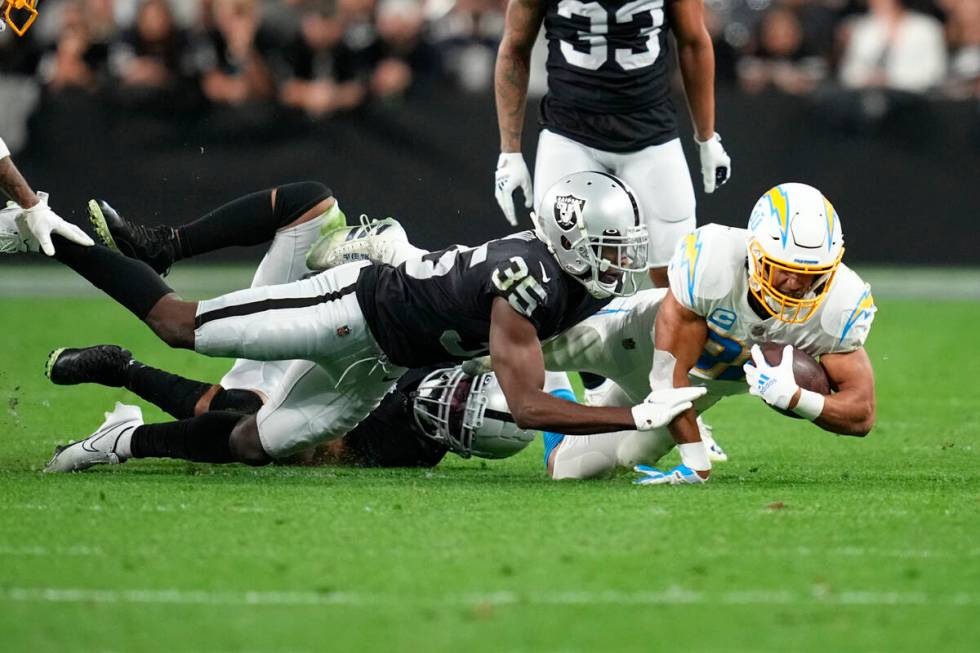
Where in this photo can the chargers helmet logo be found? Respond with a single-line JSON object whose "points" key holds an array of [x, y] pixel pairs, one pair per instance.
{"points": [[568, 210]]}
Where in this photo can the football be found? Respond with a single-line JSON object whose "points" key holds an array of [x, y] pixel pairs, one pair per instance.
{"points": [[809, 374]]}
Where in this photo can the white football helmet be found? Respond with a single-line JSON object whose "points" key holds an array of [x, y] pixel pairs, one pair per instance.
{"points": [[468, 414], [592, 225], [793, 228]]}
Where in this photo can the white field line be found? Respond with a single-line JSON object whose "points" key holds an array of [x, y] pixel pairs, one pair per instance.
{"points": [[40, 550], [670, 596]]}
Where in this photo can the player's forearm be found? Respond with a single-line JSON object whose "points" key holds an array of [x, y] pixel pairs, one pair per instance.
{"points": [[846, 413], [541, 411], [13, 184], [511, 76], [697, 63]]}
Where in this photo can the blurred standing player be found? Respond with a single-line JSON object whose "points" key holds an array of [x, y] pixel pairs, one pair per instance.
{"points": [[608, 106], [35, 221]]}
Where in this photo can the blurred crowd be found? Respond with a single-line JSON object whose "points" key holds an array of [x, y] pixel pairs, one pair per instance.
{"points": [[326, 56]]}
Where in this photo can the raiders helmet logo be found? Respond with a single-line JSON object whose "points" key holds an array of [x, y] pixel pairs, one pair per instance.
{"points": [[568, 209]]}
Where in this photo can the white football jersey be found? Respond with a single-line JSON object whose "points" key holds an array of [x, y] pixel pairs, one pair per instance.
{"points": [[709, 275], [616, 342]]}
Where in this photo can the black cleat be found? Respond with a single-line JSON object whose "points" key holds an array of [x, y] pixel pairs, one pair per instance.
{"points": [[103, 364], [156, 246]]}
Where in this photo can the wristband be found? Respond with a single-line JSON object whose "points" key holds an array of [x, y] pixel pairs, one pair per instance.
{"points": [[695, 456], [810, 404]]}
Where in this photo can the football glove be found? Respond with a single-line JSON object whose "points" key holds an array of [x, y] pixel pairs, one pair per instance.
{"points": [[680, 475], [39, 222], [716, 165], [512, 173], [776, 385], [662, 406]]}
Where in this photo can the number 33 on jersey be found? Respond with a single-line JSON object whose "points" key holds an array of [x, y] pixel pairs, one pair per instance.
{"points": [[606, 55]]}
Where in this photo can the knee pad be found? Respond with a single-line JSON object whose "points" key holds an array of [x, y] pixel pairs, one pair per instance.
{"points": [[584, 457], [293, 200]]}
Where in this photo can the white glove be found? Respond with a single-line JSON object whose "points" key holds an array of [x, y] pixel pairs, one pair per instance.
{"points": [[39, 222], [776, 385], [716, 165], [512, 173], [662, 406]]}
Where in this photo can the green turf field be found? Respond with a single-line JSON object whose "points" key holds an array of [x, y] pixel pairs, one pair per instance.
{"points": [[804, 541]]}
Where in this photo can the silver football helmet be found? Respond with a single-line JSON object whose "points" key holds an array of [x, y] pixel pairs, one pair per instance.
{"points": [[592, 225], [468, 414]]}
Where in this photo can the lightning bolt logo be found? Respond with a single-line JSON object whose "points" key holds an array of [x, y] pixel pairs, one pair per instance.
{"points": [[692, 252], [779, 205], [831, 215], [864, 308]]}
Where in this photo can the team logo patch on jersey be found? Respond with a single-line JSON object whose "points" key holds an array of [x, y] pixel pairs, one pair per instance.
{"points": [[568, 209]]}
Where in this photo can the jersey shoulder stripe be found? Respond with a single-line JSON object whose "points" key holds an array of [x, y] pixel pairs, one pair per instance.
{"points": [[848, 311]]}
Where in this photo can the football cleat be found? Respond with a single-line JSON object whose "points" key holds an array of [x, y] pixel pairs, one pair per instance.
{"points": [[100, 448], [11, 240], [715, 453], [154, 245], [334, 218], [102, 364], [372, 240]]}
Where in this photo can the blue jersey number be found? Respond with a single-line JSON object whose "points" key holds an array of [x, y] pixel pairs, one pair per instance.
{"points": [[722, 358]]}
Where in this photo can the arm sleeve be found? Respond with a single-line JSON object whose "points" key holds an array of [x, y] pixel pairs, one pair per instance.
{"points": [[4, 151]]}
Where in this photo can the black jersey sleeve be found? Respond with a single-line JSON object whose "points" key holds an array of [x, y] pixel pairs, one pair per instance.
{"points": [[530, 285]]}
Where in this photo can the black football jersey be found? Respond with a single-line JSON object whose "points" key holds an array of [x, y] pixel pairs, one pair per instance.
{"points": [[437, 308], [608, 78], [389, 437]]}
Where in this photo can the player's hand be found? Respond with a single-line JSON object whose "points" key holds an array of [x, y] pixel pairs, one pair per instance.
{"points": [[680, 475], [662, 406], [512, 173], [716, 165], [775, 384], [39, 222]]}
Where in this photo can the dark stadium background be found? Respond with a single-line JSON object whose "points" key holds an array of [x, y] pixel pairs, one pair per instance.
{"points": [[903, 169]]}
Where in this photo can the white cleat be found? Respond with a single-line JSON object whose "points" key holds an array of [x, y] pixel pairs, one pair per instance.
{"points": [[715, 453], [11, 240], [372, 240], [100, 447]]}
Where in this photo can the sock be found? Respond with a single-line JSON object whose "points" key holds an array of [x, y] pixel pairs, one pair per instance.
{"points": [[178, 395], [200, 439], [132, 283], [249, 220], [171, 393]]}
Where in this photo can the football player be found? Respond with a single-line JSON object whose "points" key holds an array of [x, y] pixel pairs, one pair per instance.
{"points": [[415, 424], [353, 330], [780, 280], [33, 220], [427, 413], [608, 106]]}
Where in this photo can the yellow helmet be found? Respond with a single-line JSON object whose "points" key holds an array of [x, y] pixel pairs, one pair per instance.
{"points": [[793, 228]]}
